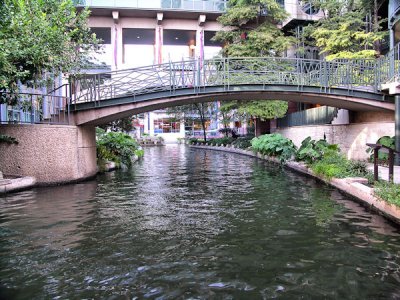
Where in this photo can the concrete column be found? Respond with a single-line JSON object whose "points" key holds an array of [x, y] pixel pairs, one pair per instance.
{"points": [[200, 43], [116, 41], [158, 59], [397, 128]]}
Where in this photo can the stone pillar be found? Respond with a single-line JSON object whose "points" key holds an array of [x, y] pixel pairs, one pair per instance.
{"points": [[397, 128]]}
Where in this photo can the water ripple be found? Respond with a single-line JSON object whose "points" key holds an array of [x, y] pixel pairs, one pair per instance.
{"points": [[195, 224]]}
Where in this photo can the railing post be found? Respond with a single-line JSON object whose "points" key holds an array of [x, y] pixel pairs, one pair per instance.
{"points": [[227, 71], [376, 150], [32, 113], [397, 129], [377, 69], [170, 77]]}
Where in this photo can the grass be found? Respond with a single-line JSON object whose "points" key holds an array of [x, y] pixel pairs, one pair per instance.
{"points": [[388, 191]]}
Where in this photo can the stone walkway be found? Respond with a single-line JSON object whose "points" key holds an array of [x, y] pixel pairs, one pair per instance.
{"points": [[384, 172]]}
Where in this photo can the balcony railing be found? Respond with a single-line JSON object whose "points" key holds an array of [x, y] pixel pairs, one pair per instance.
{"points": [[313, 116], [394, 7], [190, 5]]}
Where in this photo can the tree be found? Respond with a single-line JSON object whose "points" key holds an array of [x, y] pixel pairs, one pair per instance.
{"points": [[120, 125], [350, 29], [248, 33], [40, 39], [202, 111], [263, 109]]}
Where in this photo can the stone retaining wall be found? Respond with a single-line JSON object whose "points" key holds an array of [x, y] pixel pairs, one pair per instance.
{"points": [[50, 153], [351, 138]]}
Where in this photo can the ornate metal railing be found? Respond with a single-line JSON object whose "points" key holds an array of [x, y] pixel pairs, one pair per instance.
{"points": [[352, 75], [389, 66], [34, 108], [313, 116]]}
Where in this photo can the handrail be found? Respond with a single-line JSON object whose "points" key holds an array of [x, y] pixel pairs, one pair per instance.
{"points": [[348, 74]]}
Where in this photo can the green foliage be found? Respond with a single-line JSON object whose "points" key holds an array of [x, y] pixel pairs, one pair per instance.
{"points": [[312, 150], [250, 35], [274, 145], [342, 32], [39, 37], [124, 125], [264, 109], [139, 152], [8, 139], [387, 191], [221, 141], [242, 142], [117, 147], [334, 164], [385, 141], [193, 141]]}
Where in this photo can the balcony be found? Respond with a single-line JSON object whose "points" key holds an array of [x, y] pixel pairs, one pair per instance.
{"points": [[184, 5]]}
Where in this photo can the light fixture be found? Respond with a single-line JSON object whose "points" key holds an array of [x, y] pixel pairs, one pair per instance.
{"points": [[138, 37], [176, 38], [192, 47]]}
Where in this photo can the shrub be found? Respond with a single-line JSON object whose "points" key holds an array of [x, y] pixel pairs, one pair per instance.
{"points": [[117, 147], [334, 164], [274, 145], [312, 150], [192, 141], [8, 139], [221, 141], [388, 191], [385, 141], [242, 142]]}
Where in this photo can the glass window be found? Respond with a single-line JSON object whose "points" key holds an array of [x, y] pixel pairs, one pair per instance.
{"points": [[103, 33], [166, 126]]}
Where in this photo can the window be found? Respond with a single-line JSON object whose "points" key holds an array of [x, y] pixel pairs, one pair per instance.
{"points": [[166, 126], [308, 7], [102, 33]]}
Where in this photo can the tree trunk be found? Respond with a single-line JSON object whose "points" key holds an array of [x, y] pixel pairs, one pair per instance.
{"points": [[375, 27], [200, 108]]}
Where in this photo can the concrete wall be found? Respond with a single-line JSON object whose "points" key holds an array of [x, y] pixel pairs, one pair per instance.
{"points": [[351, 138], [50, 153]]}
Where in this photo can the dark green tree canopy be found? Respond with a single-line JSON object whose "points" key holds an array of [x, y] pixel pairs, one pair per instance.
{"points": [[262, 109], [39, 38], [350, 29], [249, 34]]}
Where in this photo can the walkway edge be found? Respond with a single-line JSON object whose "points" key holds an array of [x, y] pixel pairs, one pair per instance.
{"points": [[16, 184], [350, 186]]}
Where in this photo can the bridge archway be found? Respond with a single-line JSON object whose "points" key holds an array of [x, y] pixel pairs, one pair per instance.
{"points": [[100, 112]]}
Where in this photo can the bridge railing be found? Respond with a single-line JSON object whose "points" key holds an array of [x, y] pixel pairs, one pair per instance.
{"points": [[35, 108], [349, 74]]}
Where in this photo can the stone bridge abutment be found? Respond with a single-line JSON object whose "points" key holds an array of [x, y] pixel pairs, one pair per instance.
{"points": [[53, 154]]}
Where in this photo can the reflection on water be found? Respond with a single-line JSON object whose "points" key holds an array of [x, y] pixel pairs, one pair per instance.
{"points": [[188, 223]]}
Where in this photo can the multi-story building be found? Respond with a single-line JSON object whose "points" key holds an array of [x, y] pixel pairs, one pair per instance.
{"points": [[146, 32]]}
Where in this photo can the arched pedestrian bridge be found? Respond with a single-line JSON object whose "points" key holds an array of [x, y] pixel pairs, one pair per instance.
{"points": [[351, 84]]}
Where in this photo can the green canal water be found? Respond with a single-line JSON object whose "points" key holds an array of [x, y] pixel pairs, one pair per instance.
{"points": [[195, 224]]}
